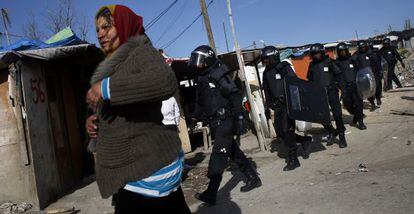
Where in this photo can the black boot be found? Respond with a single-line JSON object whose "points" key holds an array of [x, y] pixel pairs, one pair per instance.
{"points": [[361, 125], [305, 142], [379, 102], [253, 180], [210, 195], [331, 137], [342, 140], [354, 120], [373, 107], [292, 162]]}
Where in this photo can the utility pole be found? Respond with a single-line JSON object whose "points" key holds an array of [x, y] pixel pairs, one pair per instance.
{"points": [[254, 113], [356, 33], [207, 23], [225, 36]]}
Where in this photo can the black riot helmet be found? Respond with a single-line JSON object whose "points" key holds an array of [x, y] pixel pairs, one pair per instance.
{"points": [[270, 55], [370, 44], [362, 46], [315, 49], [202, 57], [342, 47], [386, 41]]}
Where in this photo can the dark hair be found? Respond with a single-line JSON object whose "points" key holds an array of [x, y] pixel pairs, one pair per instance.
{"points": [[106, 14]]}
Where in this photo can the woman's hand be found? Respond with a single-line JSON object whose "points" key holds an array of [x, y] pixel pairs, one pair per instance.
{"points": [[94, 95], [91, 127]]}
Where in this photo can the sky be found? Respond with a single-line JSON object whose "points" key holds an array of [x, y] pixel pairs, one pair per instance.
{"points": [[274, 22]]}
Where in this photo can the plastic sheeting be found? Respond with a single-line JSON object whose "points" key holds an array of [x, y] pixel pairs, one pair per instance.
{"points": [[63, 38]]}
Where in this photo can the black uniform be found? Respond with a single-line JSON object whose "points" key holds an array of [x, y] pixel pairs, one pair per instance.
{"points": [[391, 55], [351, 98], [219, 100], [328, 75], [376, 66], [274, 88]]}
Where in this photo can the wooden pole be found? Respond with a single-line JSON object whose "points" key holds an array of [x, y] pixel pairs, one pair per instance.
{"points": [[253, 113], [225, 36], [207, 23]]}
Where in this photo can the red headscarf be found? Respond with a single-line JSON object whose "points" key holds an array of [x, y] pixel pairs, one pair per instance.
{"points": [[127, 23]]}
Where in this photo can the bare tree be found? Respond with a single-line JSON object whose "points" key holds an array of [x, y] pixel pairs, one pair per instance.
{"points": [[31, 29], [56, 19], [6, 23], [61, 17], [389, 28], [83, 28]]}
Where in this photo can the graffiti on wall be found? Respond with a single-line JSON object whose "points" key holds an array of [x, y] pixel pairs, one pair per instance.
{"points": [[37, 89]]}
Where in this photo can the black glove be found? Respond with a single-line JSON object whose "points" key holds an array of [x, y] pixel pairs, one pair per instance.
{"points": [[282, 99]]}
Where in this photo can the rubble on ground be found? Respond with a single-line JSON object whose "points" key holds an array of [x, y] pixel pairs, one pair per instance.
{"points": [[406, 75], [14, 208]]}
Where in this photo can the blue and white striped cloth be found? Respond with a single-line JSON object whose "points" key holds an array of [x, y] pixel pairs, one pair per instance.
{"points": [[162, 182]]}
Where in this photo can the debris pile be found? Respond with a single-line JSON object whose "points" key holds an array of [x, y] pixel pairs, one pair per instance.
{"points": [[13, 208], [406, 75]]}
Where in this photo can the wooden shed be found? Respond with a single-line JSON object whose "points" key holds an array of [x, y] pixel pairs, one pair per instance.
{"points": [[42, 144]]}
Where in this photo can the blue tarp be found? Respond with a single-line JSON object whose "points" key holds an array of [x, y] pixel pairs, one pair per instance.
{"points": [[300, 53], [286, 54], [29, 44]]}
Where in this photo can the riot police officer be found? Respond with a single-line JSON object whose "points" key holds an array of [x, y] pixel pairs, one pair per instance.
{"points": [[323, 71], [363, 60], [351, 98], [274, 88], [219, 100], [391, 55], [376, 66]]}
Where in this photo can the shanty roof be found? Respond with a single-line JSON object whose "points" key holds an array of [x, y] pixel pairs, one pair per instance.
{"points": [[64, 47], [81, 54]]}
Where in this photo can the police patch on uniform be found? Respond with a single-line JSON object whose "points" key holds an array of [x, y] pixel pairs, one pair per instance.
{"points": [[367, 57], [211, 85], [278, 77], [326, 69], [351, 65]]}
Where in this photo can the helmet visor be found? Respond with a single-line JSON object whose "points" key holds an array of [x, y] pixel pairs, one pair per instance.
{"points": [[197, 59]]}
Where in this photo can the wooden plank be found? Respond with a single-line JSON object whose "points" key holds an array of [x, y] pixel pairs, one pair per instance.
{"points": [[43, 153]]}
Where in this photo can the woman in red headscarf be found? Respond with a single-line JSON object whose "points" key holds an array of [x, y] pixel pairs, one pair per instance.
{"points": [[138, 159]]}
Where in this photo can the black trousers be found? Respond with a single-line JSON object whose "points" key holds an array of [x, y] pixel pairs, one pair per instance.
{"points": [[225, 148], [333, 99], [378, 89], [352, 101], [128, 202], [172, 127], [392, 77], [285, 128]]}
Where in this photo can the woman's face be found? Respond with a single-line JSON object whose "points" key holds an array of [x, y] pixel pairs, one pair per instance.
{"points": [[107, 35]]}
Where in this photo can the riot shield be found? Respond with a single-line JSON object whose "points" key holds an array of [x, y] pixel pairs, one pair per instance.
{"points": [[365, 82], [306, 101]]}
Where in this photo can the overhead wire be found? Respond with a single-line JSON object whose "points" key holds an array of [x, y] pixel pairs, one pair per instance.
{"points": [[185, 29], [157, 18], [173, 21]]}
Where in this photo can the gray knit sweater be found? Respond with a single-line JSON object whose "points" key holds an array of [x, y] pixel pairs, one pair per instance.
{"points": [[132, 142]]}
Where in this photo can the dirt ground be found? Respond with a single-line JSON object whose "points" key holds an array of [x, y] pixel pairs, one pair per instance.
{"points": [[329, 181]]}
